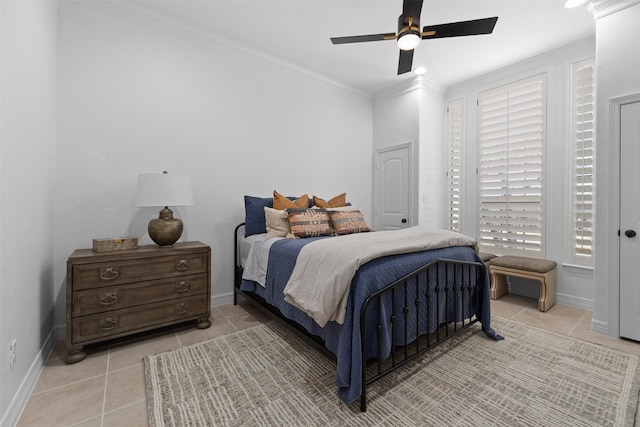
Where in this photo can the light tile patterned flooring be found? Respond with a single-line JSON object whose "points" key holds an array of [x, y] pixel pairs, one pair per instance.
{"points": [[107, 388]]}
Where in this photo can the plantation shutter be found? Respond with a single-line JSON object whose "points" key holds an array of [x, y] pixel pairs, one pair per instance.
{"points": [[582, 135], [511, 122], [454, 163]]}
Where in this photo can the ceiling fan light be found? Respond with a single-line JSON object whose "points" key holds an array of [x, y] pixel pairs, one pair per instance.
{"points": [[408, 41]]}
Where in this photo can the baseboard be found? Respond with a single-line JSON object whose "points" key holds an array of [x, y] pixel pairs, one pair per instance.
{"points": [[576, 302], [599, 327], [222, 299], [19, 401]]}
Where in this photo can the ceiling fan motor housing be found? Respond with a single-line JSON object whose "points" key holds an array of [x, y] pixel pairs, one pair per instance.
{"points": [[408, 32], [408, 25]]}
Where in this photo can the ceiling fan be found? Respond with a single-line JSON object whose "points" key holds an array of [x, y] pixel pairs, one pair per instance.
{"points": [[409, 35]]}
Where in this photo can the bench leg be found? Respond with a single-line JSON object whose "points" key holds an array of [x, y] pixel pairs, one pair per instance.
{"points": [[547, 291], [498, 285]]}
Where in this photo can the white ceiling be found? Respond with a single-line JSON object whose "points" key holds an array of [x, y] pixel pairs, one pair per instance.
{"points": [[298, 31]]}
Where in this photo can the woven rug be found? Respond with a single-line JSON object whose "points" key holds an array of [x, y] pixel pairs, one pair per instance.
{"points": [[266, 376]]}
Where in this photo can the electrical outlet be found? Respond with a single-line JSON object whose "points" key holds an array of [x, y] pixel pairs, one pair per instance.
{"points": [[12, 351]]}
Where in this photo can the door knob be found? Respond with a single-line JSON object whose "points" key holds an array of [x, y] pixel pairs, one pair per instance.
{"points": [[404, 220], [630, 233]]}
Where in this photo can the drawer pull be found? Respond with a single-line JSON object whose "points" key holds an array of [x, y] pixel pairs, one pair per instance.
{"points": [[108, 298], [182, 308], [183, 286], [108, 274], [108, 324], [182, 265]]}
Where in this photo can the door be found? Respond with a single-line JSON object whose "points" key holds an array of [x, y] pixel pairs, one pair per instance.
{"points": [[630, 221], [393, 170]]}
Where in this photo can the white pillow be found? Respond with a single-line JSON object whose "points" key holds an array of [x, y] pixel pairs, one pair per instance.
{"points": [[277, 222]]}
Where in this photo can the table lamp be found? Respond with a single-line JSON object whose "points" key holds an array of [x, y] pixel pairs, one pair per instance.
{"points": [[163, 189]]}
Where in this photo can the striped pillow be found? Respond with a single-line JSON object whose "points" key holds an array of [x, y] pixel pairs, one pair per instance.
{"points": [[309, 222], [348, 222]]}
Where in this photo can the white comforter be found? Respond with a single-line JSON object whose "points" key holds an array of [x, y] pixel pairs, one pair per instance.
{"points": [[320, 281], [255, 267]]}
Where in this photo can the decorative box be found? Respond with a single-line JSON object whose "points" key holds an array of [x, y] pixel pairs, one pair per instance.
{"points": [[115, 244]]}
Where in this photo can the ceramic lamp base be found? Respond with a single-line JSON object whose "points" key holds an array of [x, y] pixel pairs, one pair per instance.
{"points": [[165, 230]]}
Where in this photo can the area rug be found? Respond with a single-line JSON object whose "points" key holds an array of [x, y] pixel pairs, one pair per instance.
{"points": [[267, 376]]}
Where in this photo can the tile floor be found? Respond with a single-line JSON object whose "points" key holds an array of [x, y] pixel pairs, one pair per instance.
{"points": [[107, 388]]}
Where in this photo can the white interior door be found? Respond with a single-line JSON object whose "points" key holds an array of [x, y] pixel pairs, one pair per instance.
{"points": [[393, 187], [630, 221]]}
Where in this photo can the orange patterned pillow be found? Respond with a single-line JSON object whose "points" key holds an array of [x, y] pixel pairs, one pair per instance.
{"points": [[336, 202], [281, 202], [348, 222], [309, 222]]}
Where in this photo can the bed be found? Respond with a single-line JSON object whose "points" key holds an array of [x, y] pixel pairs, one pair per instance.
{"points": [[395, 306]]}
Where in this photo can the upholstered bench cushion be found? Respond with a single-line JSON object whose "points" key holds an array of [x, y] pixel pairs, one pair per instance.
{"points": [[486, 256], [524, 263]]}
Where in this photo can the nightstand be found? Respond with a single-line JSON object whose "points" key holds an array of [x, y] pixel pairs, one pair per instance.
{"points": [[114, 294]]}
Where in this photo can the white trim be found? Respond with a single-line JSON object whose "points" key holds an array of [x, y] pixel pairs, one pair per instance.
{"points": [[408, 86], [586, 270], [21, 397], [223, 299], [599, 327], [573, 301], [602, 8], [186, 28]]}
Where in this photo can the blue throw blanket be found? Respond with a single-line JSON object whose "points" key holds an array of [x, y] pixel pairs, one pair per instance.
{"points": [[344, 340]]}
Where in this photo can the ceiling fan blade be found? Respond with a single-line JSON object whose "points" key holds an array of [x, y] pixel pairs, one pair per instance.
{"points": [[462, 28], [412, 8], [405, 62], [365, 38]]}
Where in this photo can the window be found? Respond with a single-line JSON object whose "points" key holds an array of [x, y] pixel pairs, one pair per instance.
{"points": [[582, 144], [512, 133], [454, 163]]}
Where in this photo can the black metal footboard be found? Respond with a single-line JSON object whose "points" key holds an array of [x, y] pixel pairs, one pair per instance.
{"points": [[444, 290], [407, 317]]}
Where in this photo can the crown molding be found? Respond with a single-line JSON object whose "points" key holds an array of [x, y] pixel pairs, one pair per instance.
{"points": [[189, 29], [410, 85], [602, 8]]}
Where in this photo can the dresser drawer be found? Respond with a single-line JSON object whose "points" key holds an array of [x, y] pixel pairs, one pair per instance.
{"points": [[110, 298], [109, 273], [118, 322]]}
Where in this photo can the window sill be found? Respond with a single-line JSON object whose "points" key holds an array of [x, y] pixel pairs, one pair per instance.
{"points": [[578, 269]]}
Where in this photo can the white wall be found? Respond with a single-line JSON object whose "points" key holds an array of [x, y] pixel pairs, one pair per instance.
{"points": [[137, 95], [413, 112], [618, 75], [27, 170], [574, 283], [433, 164]]}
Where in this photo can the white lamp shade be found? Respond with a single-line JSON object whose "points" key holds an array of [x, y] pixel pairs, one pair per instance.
{"points": [[163, 189]]}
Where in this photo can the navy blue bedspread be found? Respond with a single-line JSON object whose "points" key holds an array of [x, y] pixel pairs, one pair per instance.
{"points": [[344, 340]]}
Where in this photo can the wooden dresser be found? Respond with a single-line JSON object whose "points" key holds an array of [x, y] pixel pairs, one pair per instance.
{"points": [[113, 294]]}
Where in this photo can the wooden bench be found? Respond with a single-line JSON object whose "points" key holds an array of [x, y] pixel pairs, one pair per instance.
{"points": [[540, 270], [486, 257]]}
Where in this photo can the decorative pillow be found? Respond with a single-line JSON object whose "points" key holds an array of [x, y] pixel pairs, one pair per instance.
{"points": [[277, 222], [336, 202], [348, 222], [347, 208], [309, 222], [281, 202], [254, 220]]}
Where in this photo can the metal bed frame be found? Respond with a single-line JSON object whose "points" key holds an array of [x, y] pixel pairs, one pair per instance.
{"points": [[460, 296]]}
